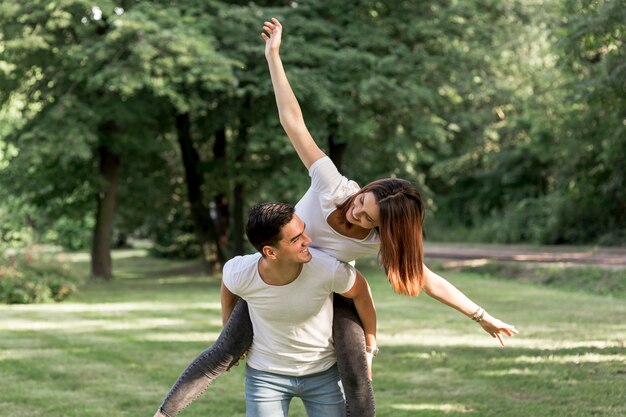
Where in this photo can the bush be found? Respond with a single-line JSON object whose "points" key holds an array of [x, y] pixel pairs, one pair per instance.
{"points": [[174, 238], [24, 280], [184, 246], [591, 279], [71, 233]]}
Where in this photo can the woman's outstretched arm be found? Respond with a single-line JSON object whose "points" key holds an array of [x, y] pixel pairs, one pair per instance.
{"points": [[440, 289], [288, 108]]}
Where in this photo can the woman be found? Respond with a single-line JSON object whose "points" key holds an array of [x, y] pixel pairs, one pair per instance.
{"points": [[347, 222]]}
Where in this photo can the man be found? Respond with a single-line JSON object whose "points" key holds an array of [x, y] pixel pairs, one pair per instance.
{"points": [[288, 288]]}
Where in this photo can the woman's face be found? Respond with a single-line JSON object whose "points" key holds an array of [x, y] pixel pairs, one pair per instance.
{"points": [[364, 211]]}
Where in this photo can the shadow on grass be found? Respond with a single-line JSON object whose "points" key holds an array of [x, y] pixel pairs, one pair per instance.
{"points": [[118, 347], [463, 381], [428, 381]]}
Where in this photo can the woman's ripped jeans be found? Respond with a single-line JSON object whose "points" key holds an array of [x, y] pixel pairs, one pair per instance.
{"points": [[236, 338]]}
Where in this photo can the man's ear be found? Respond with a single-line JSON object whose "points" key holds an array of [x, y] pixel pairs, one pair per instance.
{"points": [[269, 252]]}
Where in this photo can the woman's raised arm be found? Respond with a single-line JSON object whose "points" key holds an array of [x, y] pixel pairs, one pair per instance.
{"points": [[288, 108]]}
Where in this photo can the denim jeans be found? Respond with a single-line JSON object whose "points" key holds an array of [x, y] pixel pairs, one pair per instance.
{"points": [[236, 338], [269, 394]]}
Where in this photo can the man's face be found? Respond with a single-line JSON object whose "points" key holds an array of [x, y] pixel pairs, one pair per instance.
{"points": [[293, 247]]}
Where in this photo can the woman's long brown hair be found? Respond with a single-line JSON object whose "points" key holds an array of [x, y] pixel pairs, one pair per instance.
{"points": [[400, 230]]}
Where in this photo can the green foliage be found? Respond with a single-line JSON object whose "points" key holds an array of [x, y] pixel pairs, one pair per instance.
{"points": [[25, 280], [507, 115], [588, 279], [14, 233], [550, 168], [71, 234], [181, 246], [174, 238], [77, 77]]}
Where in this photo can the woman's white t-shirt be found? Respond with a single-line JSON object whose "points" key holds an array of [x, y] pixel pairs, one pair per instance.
{"points": [[292, 323], [329, 188]]}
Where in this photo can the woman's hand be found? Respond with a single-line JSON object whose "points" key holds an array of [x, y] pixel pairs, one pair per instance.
{"points": [[495, 327], [273, 37]]}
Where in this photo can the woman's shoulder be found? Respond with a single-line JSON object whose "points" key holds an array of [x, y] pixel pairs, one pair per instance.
{"points": [[329, 182]]}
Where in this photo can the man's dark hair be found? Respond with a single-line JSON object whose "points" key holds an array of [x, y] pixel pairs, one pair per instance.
{"points": [[265, 221]]}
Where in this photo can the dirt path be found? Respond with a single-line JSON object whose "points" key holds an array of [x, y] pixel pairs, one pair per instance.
{"points": [[563, 255]]}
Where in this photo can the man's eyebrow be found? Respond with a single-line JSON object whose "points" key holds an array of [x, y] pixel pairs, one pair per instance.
{"points": [[293, 239]]}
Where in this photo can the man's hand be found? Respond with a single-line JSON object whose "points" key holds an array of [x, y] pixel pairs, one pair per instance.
{"points": [[242, 357]]}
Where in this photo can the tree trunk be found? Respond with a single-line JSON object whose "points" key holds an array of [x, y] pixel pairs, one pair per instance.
{"points": [[336, 150], [213, 256], [239, 192], [101, 266], [238, 217], [221, 199]]}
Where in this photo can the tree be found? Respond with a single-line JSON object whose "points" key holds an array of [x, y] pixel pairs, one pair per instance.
{"points": [[99, 85]]}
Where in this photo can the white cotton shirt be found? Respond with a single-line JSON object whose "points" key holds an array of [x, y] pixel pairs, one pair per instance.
{"points": [[329, 188], [292, 323]]}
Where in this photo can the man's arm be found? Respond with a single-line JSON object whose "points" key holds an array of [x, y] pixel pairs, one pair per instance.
{"points": [[228, 303], [361, 294]]}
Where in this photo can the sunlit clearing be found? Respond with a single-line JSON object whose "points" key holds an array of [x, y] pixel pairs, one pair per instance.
{"points": [[512, 371], [177, 280], [586, 358], [446, 408], [110, 307], [482, 340], [81, 326], [13, 354], [116, 254], [208, 337]]}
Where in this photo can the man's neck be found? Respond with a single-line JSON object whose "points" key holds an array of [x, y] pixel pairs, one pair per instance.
{"points": [[275, 273]]}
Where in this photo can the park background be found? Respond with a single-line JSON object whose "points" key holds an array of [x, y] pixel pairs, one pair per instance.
{"points": [[134, 135]]}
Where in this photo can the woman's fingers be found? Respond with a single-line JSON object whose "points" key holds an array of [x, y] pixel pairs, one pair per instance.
{"points": [[510, 332], [271, 28]]}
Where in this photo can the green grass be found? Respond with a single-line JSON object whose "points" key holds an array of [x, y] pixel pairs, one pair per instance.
{"points": [[115, 349], [597, 280]]}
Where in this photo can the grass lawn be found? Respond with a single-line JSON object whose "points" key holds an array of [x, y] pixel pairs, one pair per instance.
{"points": [[116, 348]]}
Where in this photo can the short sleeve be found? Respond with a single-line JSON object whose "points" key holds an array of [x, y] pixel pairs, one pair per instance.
{"points": [[345, 277], [230, 278], [325, 178], [332, 187]]}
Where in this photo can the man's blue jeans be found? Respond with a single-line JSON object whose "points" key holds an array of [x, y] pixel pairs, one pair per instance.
{"points": [[269, 394]]}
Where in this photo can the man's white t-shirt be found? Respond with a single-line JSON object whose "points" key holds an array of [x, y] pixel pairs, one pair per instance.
{"points": [[329, 188], [292, 323]]}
